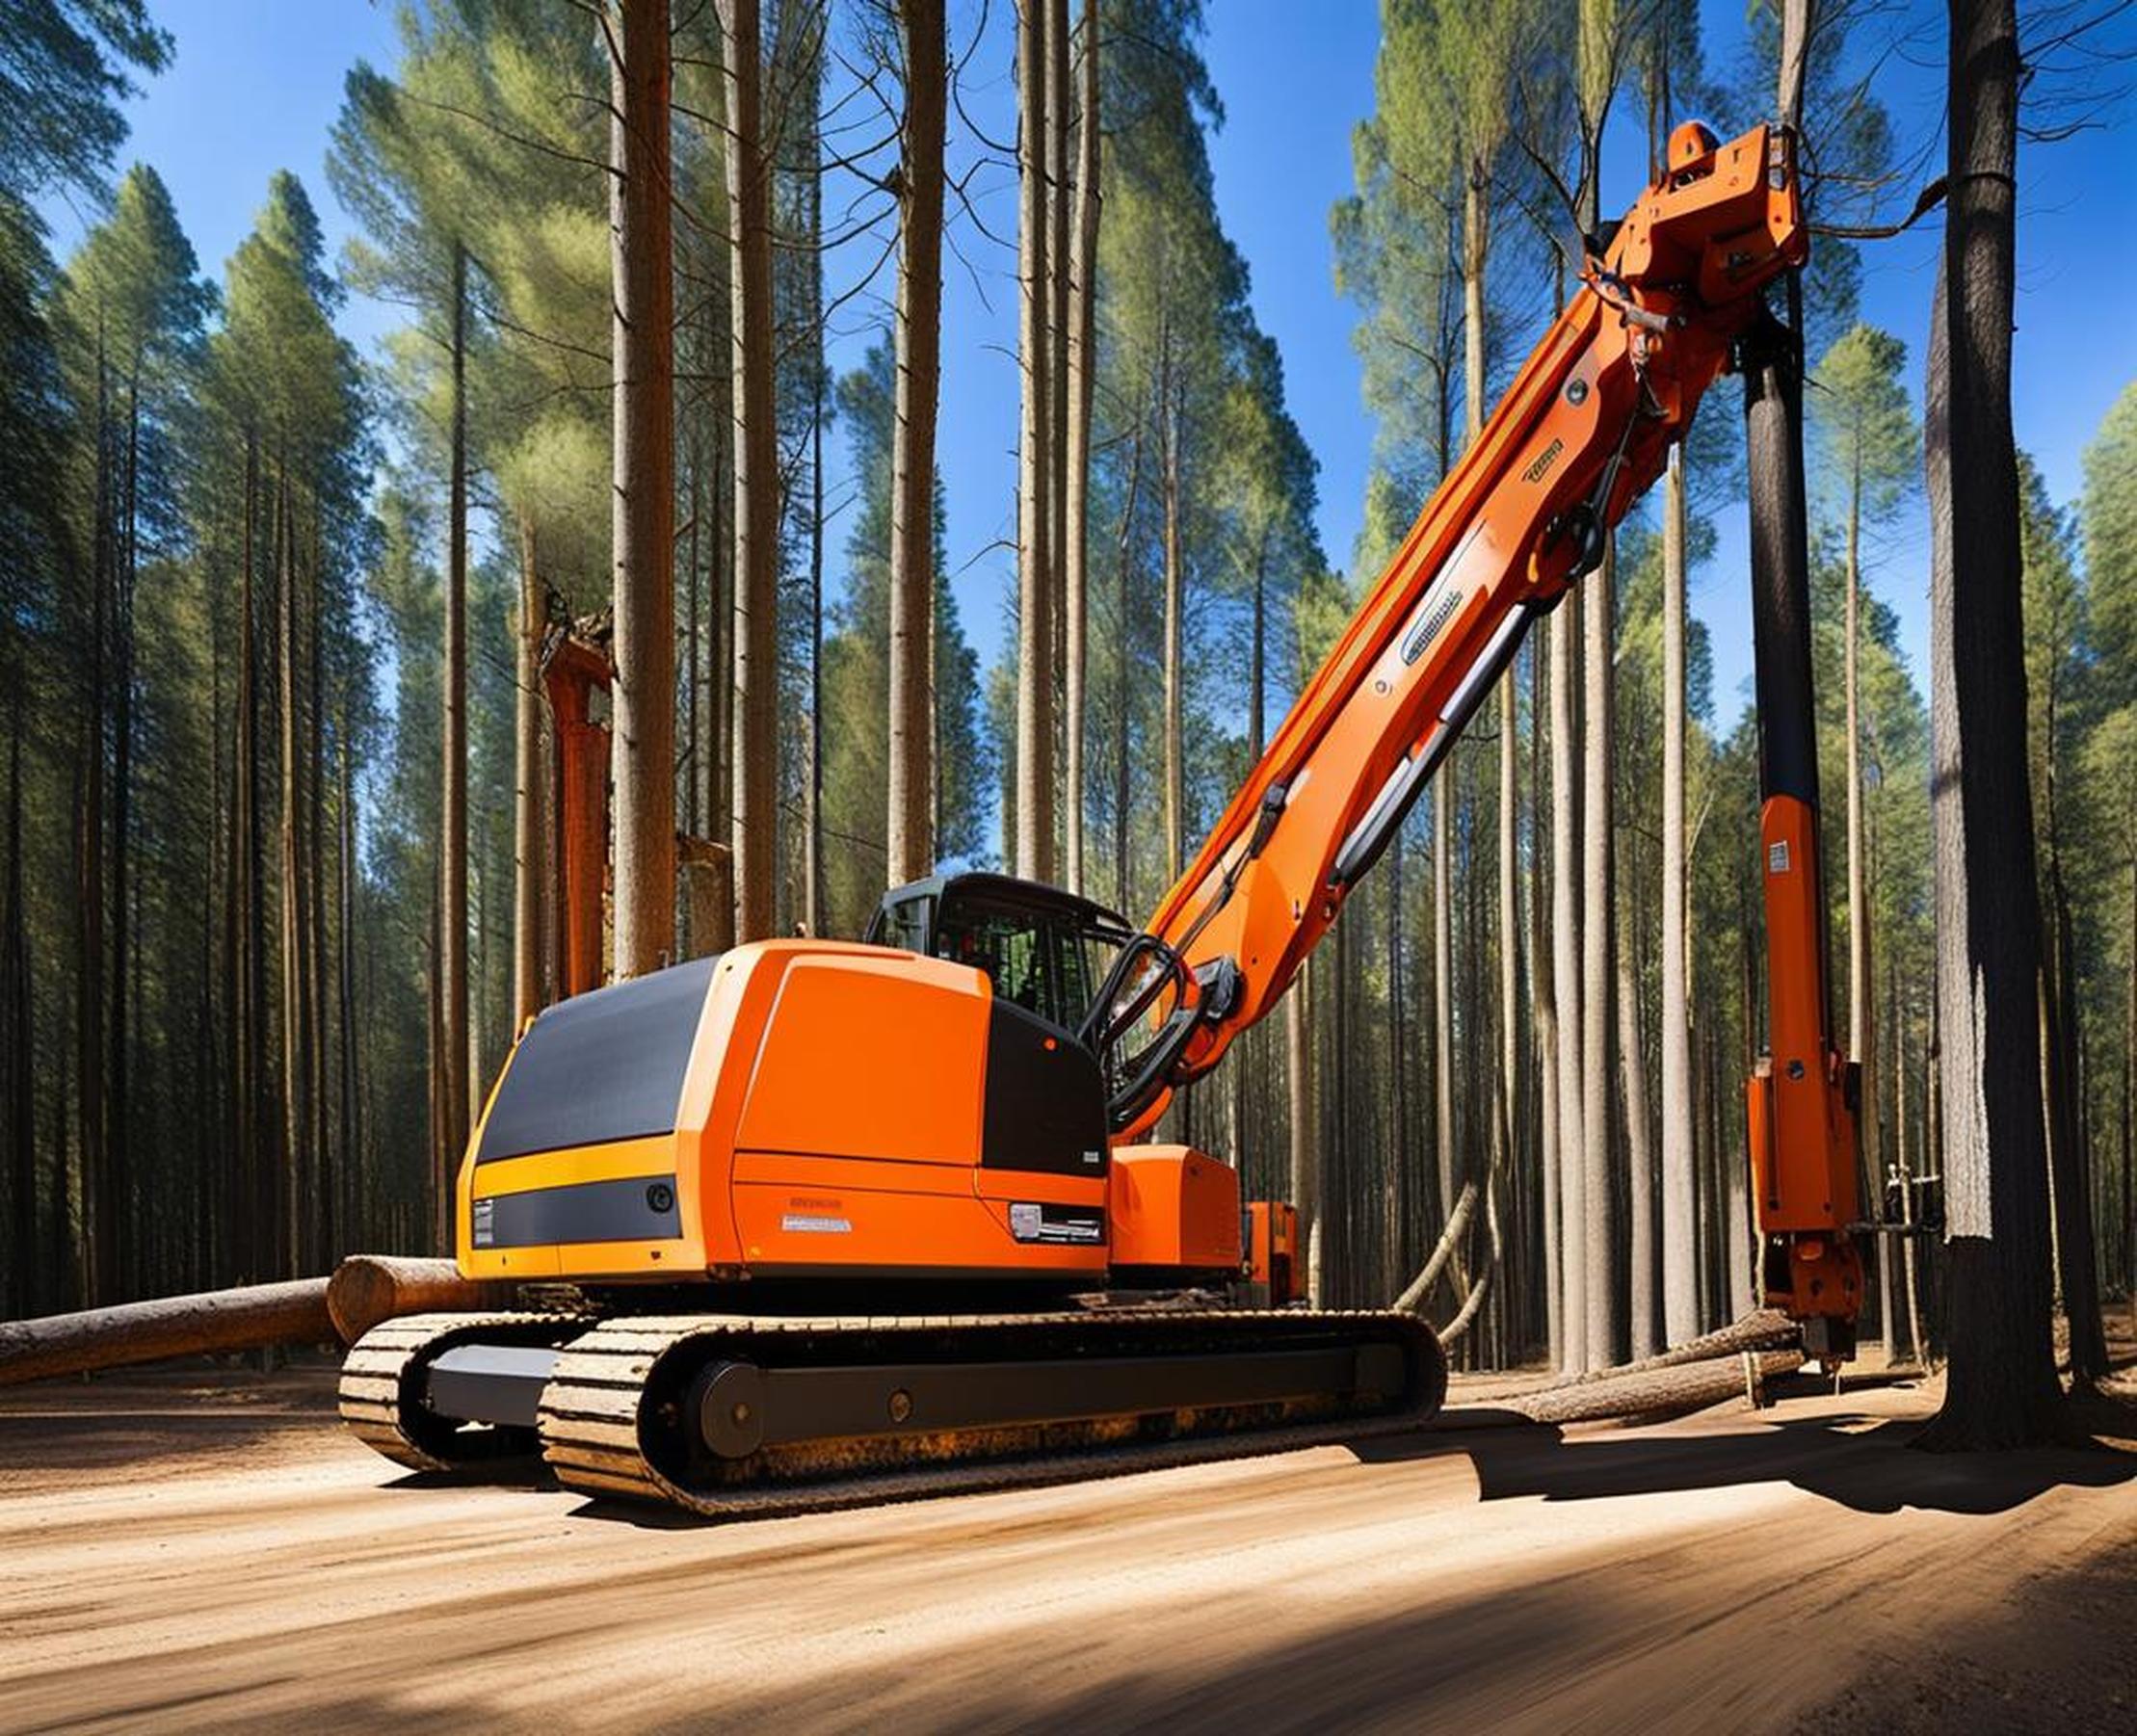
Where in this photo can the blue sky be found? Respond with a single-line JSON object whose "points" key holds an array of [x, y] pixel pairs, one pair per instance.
{"points": [[256, 85]]}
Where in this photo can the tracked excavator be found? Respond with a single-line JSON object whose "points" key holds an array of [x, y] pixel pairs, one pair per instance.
{"points": [[812, 1223]]}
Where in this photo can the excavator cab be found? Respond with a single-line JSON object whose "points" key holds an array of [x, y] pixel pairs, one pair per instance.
{"points": [[1121, 994], [1043, 950]]}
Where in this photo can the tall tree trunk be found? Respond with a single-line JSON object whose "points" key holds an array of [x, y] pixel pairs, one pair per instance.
{"points": [[1681, 1289], [1035, 589], [450, 1058], [1080, 383], [1544, 993], [1598, 977], [1641, 1247], [1175, 782], [756, 484], [89, 890], [1566, 969], [290, 1188], [1445, 795], [1122, 571], [918, 345], [1305, 1129], [2069, 1162], [1861, 1031], [1059, 138], [17, 1049], [2002, 1389], [530, 877], [248, 1120], [114, 1254], [642, 696]]}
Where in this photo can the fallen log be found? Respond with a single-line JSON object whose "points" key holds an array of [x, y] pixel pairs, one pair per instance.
{"points": [[1412, 1299], [211, 1321], [368, 1288], [1653, 1392], [1761, 1329]]}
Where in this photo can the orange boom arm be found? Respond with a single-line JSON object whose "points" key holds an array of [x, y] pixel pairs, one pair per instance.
{"points": [[1582, 432]]}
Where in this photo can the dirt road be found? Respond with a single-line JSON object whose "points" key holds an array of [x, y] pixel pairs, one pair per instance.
{"points": [[175, 1555]]}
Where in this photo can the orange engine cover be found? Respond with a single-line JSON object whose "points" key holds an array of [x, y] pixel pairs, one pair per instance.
{"points": [[791, 1108], [1174, 1207]]}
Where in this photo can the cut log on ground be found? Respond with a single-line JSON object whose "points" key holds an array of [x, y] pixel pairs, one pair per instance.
{"points": [[368, 1288], [1761, 1329], [1656, 1392], [212, 1322]]}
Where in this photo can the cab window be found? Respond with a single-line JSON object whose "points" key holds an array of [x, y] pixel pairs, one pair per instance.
{"points": [[1032, 962]]}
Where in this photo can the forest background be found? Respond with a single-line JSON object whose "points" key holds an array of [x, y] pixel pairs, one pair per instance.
{"points": [[222, 988]]}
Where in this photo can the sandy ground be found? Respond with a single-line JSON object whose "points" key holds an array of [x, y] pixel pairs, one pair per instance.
{"points": [[178, 1554]]}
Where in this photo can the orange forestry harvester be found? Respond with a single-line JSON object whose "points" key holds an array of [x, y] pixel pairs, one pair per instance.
{"points": [[812, 1223]]}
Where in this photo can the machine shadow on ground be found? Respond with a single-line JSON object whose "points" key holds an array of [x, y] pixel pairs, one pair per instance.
{"points": [[1868, 1470]]}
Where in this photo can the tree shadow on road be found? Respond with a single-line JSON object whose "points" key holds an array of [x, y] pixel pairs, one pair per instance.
{"points": [[1868, 1470]]}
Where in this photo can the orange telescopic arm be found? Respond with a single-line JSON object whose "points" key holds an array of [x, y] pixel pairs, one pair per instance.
{"points": [[1581, 433]]}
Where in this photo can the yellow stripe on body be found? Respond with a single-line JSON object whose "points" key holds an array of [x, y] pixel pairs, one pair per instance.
{"points": [[617, 1160]]}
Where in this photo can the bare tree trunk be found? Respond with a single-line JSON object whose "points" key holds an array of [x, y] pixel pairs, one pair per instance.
{"points": [[89, 890], [1566, 970], [642, 694], [1443, 798], [753, 808], [1058, 106], [529, 911], [919, 344], [1082, 376], [1605, 1308], [1544, 993], [1175, 578], [2002, 1389], [1640, 1154], [1035, 658], [2069, 1164], [1306, 1131], [1901, 1161], [113, 1251], [450, 1058], [1680, 1290], [814, 910], [17, 1049]]}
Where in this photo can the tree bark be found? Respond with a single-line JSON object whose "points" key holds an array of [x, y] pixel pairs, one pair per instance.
{"points": [[1059, 105], [368, 1288], [1543, 992], [450, 1058], [1655, 1393], [1681, 1288], [1176, 603], [642, 519], [2070, 1164], [295, 963], [754, 754], [215, 1321], [1566, 970], [1604, 1302], [1035, 589], [528, 877], [1082, 377], [1641, 1247], [918, 345], [1304, 1141], [2002, 1389]]}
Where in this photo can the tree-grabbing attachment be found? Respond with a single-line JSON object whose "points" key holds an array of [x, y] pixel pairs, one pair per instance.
{"points": [[905, 1172]]}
